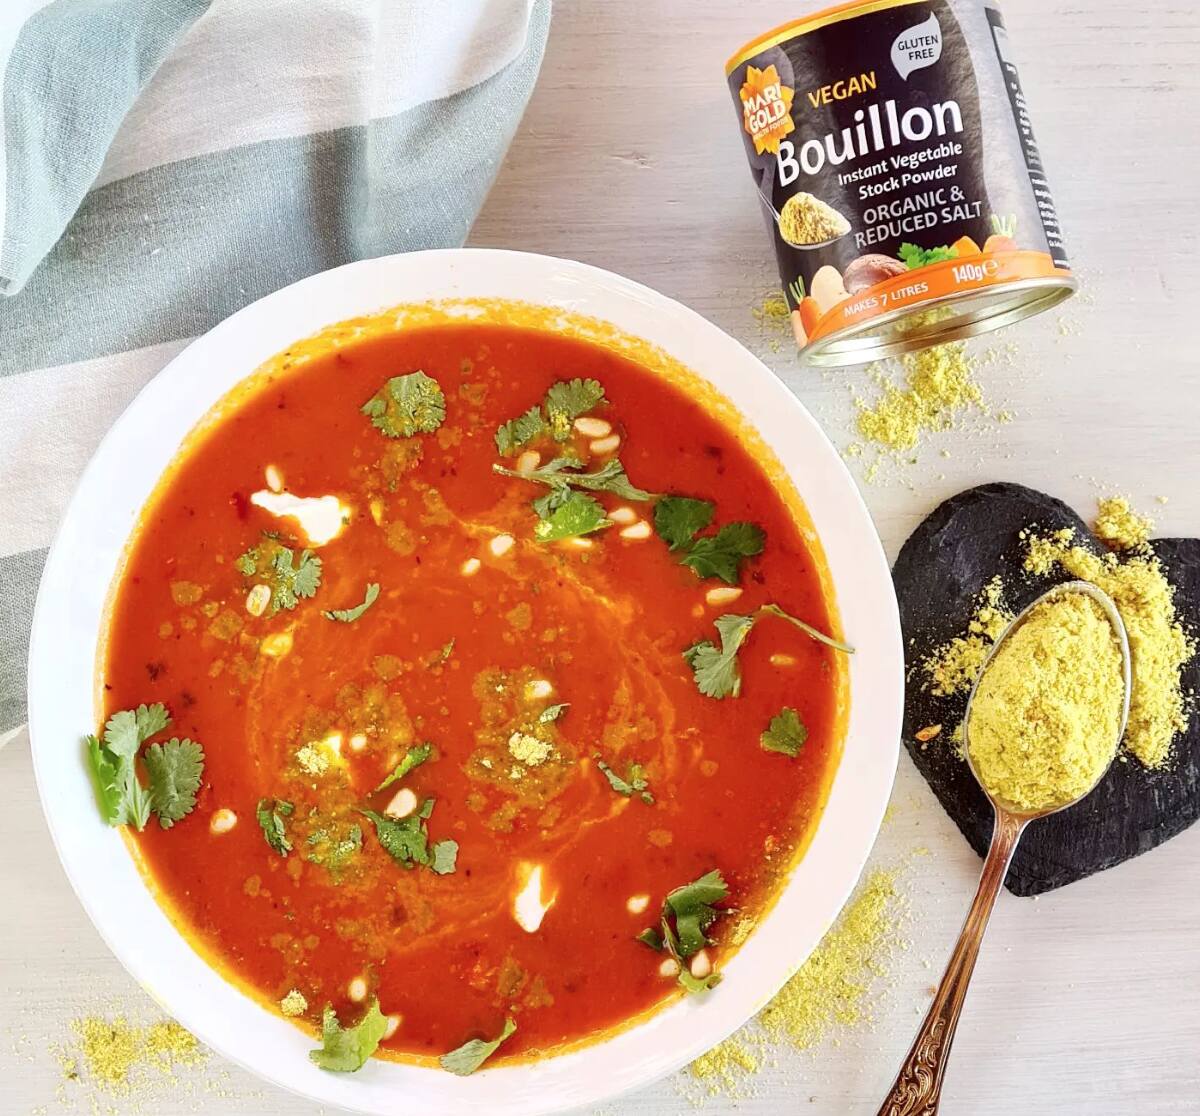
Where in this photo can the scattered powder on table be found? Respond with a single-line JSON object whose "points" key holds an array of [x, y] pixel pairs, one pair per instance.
{"points": [[1119, 527], [1047, 710], [774, 320], [117, 1056], [835, 991], [1159, 645], [952, 667], [939, 384]]}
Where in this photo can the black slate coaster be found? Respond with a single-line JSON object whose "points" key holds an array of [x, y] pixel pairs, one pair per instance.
{"points": [[939, 573]]}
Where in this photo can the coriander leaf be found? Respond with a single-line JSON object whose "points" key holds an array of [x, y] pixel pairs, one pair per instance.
{"points": [[652, 938], [175, 769], [698, 984], [807, 629], [677, 519], [443, 857], [137, 799], [105, 770], [403, 839], [129, 729], [786, 733], [609, 478], [694, 914], [293, 581], [346, 1049], [271, 813], [414, 757], [519, 432], [567, 400], [407, 405], [576, 515], [471, 1055], [718, 555], [553, 712], [634, 783], [717, 673], [247, 564], [349, 615]]}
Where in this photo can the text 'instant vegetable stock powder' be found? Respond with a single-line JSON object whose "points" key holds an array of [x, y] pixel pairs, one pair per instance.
{"points": [[891, 141]]}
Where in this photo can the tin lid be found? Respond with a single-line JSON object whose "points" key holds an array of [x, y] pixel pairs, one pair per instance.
{"points": [[953, 317]]}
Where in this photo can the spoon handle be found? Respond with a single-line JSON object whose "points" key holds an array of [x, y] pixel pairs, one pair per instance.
{"points": [[918, 1087]]}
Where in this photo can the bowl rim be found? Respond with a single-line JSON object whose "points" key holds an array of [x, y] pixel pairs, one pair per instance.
{"points": [[84, 557]]}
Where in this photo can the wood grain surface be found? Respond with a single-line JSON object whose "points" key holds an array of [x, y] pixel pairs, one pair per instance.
{"points": [[1086, 1001]]}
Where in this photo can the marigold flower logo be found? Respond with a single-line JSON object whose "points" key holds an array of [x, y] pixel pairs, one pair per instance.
{"points": [[766, 108]]}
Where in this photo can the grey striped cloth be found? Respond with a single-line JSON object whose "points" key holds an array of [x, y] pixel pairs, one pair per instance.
{"points": [[164, 164]]}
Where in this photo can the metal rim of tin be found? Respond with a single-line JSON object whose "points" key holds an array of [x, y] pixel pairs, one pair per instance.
{"points": [[862, 343]]}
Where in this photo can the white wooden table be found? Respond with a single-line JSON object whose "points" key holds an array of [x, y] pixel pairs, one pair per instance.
{"points": [[1085, 1001]]}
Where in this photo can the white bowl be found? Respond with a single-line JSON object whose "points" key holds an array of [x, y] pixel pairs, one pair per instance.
{"points": [[67, 626]]}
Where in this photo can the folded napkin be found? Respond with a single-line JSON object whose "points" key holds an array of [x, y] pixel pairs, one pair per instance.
{"points": [[165, 164]]}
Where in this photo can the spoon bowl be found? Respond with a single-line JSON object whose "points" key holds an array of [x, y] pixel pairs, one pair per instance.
{"points": [[779, 225]]}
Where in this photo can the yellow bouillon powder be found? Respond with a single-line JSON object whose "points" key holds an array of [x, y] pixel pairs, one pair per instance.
{"points": [[115, 1054], [1045, 721], [1158, 644], [938, 384], [952, 667], [1119, 527]]}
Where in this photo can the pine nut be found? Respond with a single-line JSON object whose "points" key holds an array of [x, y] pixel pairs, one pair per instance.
{"points": [[638, 530], [358, 742], [393, 1025], [780, 659], [701, 966], [274, 479], [528, 461], [222, 821], [501, 545], [357, 990], [623, 515], [538, 689], [722, 594], [605, 445], [591, 427], [470, 567], [277, 645], [257, 600], [669, 967], [403, 803], [637, 903]]}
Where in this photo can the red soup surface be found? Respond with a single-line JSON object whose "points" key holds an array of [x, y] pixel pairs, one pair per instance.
{"points": [[575, 772]]}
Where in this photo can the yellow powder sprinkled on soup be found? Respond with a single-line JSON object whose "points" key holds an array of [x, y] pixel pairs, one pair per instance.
{"points": [[1046, 716], [939, 383], [1119, 527], [952, 667], [1159, 646], [805, 219]]}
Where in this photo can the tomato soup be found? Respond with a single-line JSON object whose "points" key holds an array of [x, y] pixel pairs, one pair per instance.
{"points": [[514, 678]]}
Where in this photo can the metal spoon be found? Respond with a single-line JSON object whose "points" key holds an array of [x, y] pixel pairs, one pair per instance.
{"points": [[917, 1090], [779, 224]]}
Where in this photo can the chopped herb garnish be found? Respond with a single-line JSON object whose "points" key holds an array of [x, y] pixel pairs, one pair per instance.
{"points": [[406, 840], [519, 432], [272, 814], [786, 733], [633, 783], [690, 909], [407, 405], [471, 1055], [719, 555], [349, 615], [414, 757], [175, 769], [290, 578], [346, 1049], [567, 400], [553, 712], [577, 515], [608, 478], [717, 672], [678, 519], [443, 857]]}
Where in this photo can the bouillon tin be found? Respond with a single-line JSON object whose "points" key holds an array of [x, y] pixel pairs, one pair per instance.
{"points": [[893, 152]]}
